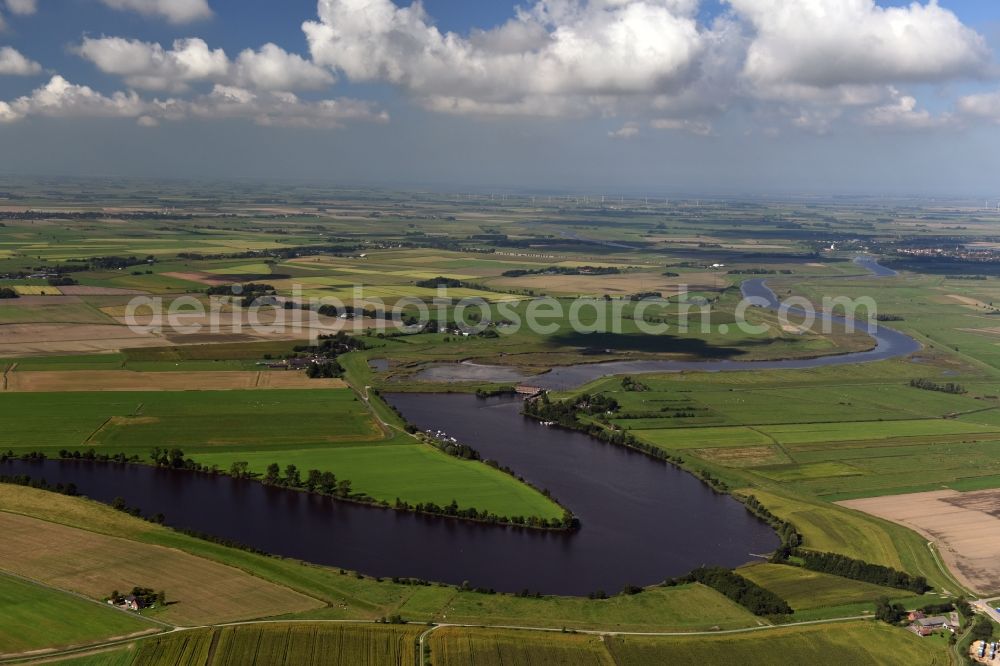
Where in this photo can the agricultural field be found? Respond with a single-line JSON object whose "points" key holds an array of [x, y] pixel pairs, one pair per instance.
{"points": [[195, 420], [455, 647], [806, 590], [33, 617], [681, 608], [125, 380], [94, 565], [834, 644], [322, 427], [306, 644], [864, 460], [964, 525], [830, 528], [316, 644]]}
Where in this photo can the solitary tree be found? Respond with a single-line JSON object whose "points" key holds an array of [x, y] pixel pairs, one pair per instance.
{"points": [[272, 475]]}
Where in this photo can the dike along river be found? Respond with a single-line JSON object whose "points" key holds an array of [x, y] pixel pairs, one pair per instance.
{"points": [[642, 520]]}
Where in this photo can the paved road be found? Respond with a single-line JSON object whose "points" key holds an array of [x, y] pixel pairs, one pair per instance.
{"points": [[988, 608]]}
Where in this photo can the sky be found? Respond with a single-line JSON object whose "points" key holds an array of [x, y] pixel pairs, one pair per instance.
{"points": [[647, 97]]}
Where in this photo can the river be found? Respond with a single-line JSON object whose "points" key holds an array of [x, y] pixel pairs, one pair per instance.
{"points": [[889, 343], [642, 520]]}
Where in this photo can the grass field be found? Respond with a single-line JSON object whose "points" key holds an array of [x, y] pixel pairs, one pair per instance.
{"points": [[330, 430], [93, 565], [273, 644], [34, 617], [798, 434], [494, 647], [834, 644], [829, 528], [316, 644], [202, 420], [808, 590], [683, 608], [414, 472]]}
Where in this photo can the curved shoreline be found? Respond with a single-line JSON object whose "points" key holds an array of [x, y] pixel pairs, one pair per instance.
{"points": [[889, 343], [642, 520]]}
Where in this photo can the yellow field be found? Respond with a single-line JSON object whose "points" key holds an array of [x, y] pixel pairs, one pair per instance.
{"points": [[37, 291], [198, 591]]}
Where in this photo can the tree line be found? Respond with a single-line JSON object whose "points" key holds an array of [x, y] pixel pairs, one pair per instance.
{"points": [[759, 271], [928, 385], [846, 567], [277, 253], [452, 510], [745, 592], [39, 484], [563, 270]]}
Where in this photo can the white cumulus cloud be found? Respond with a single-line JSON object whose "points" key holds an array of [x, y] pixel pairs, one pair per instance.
{"points": [[551, 50], [149, 66], [800, 47], [273, 68], [175, 11], [13, 63], [22, 7], [981, 106], [60, 98], [282, 109], [904, 113], [809, 63]]}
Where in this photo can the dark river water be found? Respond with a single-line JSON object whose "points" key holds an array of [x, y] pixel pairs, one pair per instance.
{"points": [[642, 520]]}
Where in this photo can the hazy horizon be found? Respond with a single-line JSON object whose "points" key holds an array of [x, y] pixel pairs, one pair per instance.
{"points": [[732, 97]]}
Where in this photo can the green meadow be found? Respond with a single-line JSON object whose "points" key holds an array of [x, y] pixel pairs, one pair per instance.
{"points": [[330, 430], [33, 617], [836, 644]]}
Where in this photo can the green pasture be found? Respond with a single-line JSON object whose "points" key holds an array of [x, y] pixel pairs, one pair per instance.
{"points": [[327, 429], [808, 590], [403, 469], [33, 617], [860, 642]]}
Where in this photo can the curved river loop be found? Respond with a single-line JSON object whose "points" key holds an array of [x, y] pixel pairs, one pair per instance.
{"points": [[642, 520]]}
